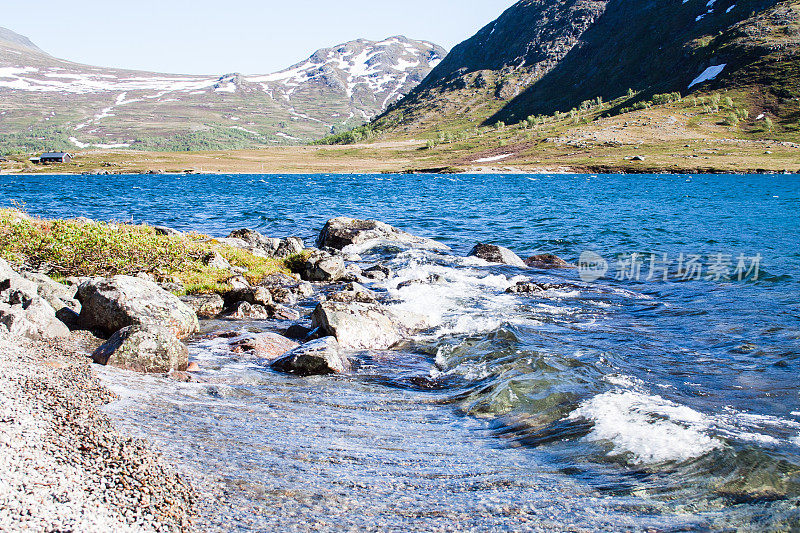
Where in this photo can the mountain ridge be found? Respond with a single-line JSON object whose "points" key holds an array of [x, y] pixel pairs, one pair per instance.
{"points": [[543, 56], [50, 103], [8, 36]]}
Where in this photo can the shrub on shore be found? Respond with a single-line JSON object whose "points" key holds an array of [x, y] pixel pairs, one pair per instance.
{"points": [[63, 248]]}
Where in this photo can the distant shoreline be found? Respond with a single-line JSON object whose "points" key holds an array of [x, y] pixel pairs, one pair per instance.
{"points": [[717, 156]]}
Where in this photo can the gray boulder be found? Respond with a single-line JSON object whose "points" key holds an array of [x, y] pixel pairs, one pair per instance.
{"points": [[167, 231], [357, 325], [11, 281], [340, 232], [547, 261], [258, 244], [286, 289], [34, 319], [497, 254], [248, 311], [353, 292], [318, 357], [110, 304], [320, 266], [264, 345], [143, 348], [205, 305], [252, 295], [215, 260], [377, 272], [57, 294]]}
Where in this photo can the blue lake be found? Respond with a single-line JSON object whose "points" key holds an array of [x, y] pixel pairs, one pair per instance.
{"points": [[625, 402]]}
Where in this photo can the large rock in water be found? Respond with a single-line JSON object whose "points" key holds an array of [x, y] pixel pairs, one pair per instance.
{"points": [[316, 358], [547, 261], [357, 326], [110, 304], [340, 232], [148, 348], [497, 254], [265, 345]]}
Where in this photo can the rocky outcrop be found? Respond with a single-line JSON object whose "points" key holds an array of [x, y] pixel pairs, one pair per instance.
{"points": [[497, 254], [23, 312], [57, 294], [252, 295], [263, 246], [353, 292], [322, 266], [248, 311], [357, 326], [318, 357], [143, 348], [547, 261], [263, 345], [286, 289], [340, 232], [205, 305], [32, 318], [110, 304]]}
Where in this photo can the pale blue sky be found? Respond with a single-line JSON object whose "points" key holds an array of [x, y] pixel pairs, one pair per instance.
{"points": [[219, 36]]}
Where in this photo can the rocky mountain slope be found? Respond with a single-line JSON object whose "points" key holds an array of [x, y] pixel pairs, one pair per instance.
{"points": [[543, 56], [47, 103]]}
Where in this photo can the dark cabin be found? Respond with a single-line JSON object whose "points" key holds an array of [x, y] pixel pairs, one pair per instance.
{"points": [[55, 157]]}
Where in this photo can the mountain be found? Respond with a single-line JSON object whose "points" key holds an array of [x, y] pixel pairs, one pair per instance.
{"points": [[543, 56], [9, 38], [48, 103]]}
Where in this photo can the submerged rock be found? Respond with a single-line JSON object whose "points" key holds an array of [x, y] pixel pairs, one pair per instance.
{"points": [[353, 292], [318, 357], [547, 261], [264, 345], [497, 254], [377, 272], [205, 305], [357, 325], [143, 348], [340, 232], [526, 287], [110, 304]]}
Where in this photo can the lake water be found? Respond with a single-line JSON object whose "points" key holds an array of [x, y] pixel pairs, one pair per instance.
{"points": [[663, 395]]}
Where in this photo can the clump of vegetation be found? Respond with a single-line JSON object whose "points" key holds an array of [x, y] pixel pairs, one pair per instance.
{"points": [[354, 136], [64, 248]]}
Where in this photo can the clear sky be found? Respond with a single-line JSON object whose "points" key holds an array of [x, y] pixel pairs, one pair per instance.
{"points": [[221, 36]]}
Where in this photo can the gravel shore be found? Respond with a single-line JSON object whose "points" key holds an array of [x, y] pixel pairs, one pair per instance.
{"points": [[63, 466]]}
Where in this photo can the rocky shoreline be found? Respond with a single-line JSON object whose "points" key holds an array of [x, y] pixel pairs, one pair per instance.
{"points": [[62, 464]]}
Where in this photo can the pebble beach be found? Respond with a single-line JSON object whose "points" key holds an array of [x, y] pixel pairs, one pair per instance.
{"points": [[63, 467]]}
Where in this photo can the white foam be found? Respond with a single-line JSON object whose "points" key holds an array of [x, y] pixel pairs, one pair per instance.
{"points": [[650, 428]]}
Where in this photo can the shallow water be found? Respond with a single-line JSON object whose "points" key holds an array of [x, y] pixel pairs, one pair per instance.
{"points": [[602, 404]]}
